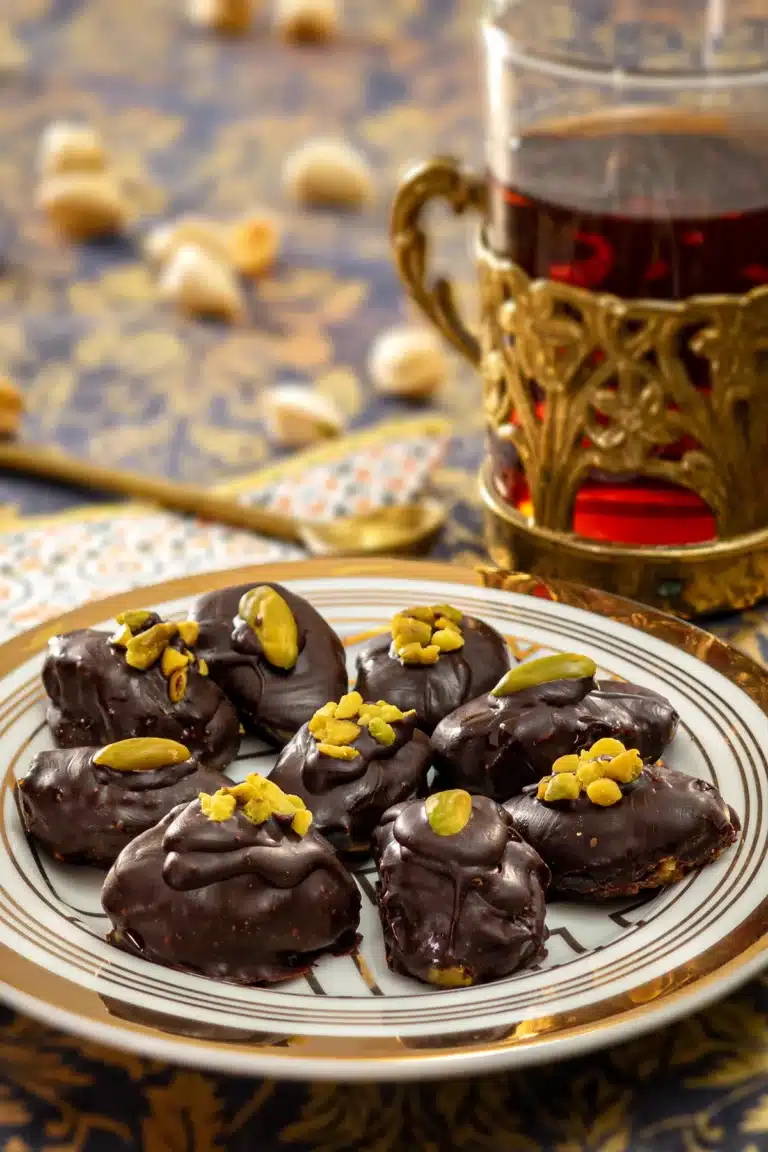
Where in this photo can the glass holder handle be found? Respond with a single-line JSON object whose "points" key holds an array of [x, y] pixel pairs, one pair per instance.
{"points": [[441, 178]]}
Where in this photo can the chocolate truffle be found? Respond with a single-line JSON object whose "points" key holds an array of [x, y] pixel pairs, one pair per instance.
{"points": [[608, 826], [86, 804], [236, 885], [352, 762], [275, 657], [433, 659], [461, 895], [543, 709], [144, 680]]}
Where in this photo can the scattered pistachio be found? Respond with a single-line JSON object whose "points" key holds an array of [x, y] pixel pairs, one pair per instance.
{"points": [[134, 618], [143, 650], [349, 706], [564, 786], [328, 172], [382, 732], [563, 666], [307, 21], [408, 362], [345, 752], [177, 685], [10, 407], [232, 17], [218, 807], [67, 147], [456, 977], [141, 754], [297, 417], [448, 812], [171, 661], [253, 244], [189, 630], [421, 633], [267, 613], [83, 205], [604, 792], [202, 286], [163, 241]]}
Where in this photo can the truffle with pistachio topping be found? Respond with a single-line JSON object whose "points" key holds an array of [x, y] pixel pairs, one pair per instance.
{"points": [[145, 679], [351, 762], [541, 710], [608, 826], [461, 895], [85, 804], [432, 659], [275, 657], [236, 885]]}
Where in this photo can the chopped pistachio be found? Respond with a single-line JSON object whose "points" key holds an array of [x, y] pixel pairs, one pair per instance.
{"points": [[605, 747], [541, 791], [447, 640], [189, 630], [349, 706], [565, 764], [341, 731], [338, 752], [177, 685], [302, 821], [145, 649], [382, 732], [448, 611], [420, 612], [624, 767], [604, 792], [121, 636], [564, 786], [134, 618], [171, 661], [448, 812], [219, 807], [588, 773], [202, 666]]}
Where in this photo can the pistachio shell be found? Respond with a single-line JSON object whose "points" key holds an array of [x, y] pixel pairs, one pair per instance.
{"points": [[297, 417], [409, 362], [141, 754], [253, 244], [274, 624], [329, 172], [164, 240], [82, 205], [306, 21], [68, 147], [563, 666], [202, 286], [448, 812], [229, 16]]}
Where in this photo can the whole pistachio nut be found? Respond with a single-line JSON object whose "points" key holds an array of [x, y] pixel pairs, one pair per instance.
{"points": [[448, 812], [265, 611], [563, 666], [141, 754]]}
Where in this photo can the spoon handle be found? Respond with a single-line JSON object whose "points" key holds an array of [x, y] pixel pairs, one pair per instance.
{"points": [[38, 460]]}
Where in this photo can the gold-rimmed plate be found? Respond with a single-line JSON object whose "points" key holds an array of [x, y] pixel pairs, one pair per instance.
{"points": [[610, 972]]}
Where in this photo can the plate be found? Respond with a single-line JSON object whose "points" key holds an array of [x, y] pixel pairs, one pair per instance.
{"points": [[610, 971]]}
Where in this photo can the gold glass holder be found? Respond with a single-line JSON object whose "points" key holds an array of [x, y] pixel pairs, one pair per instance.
{"points": [[619, 400]]}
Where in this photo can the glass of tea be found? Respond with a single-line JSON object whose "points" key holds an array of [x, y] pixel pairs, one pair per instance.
{"points": [[622, 258]]}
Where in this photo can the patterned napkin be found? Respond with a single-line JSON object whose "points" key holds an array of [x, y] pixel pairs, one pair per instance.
{"points": [[49, 565]]}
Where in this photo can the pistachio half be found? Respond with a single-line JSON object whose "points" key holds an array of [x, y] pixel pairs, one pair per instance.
{"points": [[145, 649], [449, 812], [265, 611], [141, 754], [563, 666]]}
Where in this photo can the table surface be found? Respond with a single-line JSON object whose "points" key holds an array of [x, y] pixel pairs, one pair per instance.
{"points": [[203, 124]]}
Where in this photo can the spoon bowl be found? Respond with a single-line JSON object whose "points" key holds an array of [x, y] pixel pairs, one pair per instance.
{"points": [[395, 530]]}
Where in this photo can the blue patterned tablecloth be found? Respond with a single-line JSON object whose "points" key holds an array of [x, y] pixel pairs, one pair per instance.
{"points": [[203, 124]]}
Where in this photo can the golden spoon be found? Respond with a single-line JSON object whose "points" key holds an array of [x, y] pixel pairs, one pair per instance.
{"points": [[399, 529]]}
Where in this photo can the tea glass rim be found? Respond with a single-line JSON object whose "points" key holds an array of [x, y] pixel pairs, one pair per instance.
{"points": [[505, 47]]}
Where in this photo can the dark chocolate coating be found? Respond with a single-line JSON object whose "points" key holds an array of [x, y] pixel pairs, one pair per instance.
{"points": [[495, 746], [236, 901], [474, 900], [347, 798], [87, 813], [615, 851], [272, 703], [97, 698], [434, 690]]}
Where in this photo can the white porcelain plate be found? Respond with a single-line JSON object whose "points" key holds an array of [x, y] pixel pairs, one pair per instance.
{"points": [[610, 971]]}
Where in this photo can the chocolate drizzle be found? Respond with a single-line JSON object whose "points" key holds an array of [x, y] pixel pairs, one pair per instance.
{"points": [[434, 690], [87, 813], [664, 815], [470, 903], [97, 698], [348, 797], [495, 746], [241, 902], [272, 703]]}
